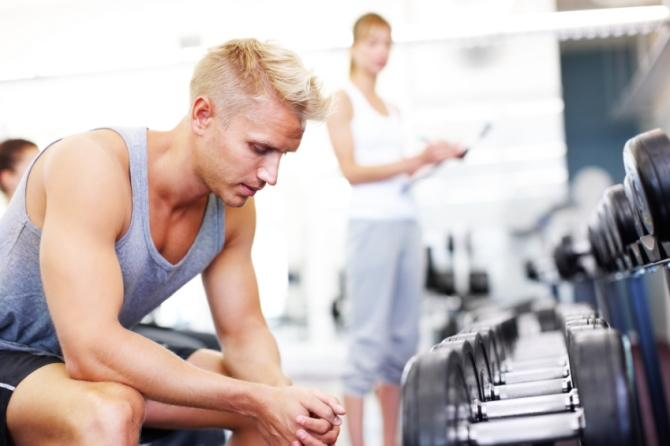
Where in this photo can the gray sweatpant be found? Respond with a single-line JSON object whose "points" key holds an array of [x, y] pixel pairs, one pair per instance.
{"points": [[384, 278]]}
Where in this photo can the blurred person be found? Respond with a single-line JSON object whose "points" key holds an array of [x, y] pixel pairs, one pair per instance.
{"points": [[384, 256], [15, 157], [107, 224]]}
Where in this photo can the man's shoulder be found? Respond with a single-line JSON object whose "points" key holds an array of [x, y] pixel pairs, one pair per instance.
{"points": [[89, 144]]}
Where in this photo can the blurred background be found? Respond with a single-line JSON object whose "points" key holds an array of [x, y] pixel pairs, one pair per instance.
{"points": [[562, 83]]}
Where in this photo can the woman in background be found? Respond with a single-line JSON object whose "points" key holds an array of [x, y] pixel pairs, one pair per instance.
{"points": [[384, 259], [15, 157]]}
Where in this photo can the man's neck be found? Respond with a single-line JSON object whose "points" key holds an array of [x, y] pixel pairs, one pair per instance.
{"points": [[171, 172]]}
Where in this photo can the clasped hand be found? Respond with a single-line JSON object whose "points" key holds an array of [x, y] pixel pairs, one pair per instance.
{"points": [[298, 416]]}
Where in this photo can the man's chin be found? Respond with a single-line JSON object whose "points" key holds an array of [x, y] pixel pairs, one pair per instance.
{"points": [[235, 202]]}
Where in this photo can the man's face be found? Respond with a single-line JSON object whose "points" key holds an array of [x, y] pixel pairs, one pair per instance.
{"points": [[241, 159]]}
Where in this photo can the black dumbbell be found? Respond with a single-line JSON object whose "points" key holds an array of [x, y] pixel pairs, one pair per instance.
{"points": [[483, 394], [533, 377], [647, 167], [620, 220], [438, 407], [474, 351]]}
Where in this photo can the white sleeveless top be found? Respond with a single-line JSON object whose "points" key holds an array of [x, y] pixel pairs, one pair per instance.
{"points": [[378, 139]]}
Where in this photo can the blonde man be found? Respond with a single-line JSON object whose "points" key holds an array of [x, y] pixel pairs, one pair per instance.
{"points": [[107, 224]]}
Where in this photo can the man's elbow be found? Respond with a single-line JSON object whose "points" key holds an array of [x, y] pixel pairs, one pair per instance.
{"points": [[83, 361]]}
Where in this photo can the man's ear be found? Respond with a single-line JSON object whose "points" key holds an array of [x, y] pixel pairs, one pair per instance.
{"points": [[202, 114]]}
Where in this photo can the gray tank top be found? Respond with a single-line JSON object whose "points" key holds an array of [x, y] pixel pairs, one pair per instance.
{"points": [[148, 279]]}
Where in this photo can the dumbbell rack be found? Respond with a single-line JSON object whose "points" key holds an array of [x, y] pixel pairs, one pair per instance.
{"points": [[449, 394], [629, 238]]}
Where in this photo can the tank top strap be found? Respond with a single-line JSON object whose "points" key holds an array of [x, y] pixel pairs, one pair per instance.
{"points": [[136, 141], [355, 96]]}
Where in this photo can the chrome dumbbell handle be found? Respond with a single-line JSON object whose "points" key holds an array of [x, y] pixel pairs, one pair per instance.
{"points": [[523, 376], [522, 354], [533, 388], [537, 429], [531, 364], [536, 405]]}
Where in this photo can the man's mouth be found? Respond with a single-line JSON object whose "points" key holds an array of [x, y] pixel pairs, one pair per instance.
{"points": [[249, 190]]}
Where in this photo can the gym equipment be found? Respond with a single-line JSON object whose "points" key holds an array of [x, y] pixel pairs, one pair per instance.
{"points": [[438, 404], [647, 187], [545, 367]]}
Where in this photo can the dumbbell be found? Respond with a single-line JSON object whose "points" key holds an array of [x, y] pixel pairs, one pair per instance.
{"points": [[482, 393], [438, 406], [647, 186], [527, 371], [550, 376], [480, 383], [620, 220], [566, 257], [534, 347], [645, 159], [532, 377]]}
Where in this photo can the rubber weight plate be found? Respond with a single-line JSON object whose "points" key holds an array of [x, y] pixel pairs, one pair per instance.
{"points": [[647, 162], [598, 242], [630, 196], [566, 260], [619, 216], [410, 410], [481, 360], [468, 365], [443, 401], [490, 346], [606, 232], [599, 371]]}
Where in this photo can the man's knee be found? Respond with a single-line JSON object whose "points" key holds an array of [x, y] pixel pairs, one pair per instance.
{"points": [[112, 415]]}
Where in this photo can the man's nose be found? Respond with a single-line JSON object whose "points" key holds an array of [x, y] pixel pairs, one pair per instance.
{"points": [[269, 170]]}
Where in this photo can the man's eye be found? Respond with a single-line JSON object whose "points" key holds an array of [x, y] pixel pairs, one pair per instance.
{"points": [[259, 150]]}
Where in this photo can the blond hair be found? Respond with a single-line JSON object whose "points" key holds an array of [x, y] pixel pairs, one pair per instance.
{"points": [[364, 25], [242, 72]]}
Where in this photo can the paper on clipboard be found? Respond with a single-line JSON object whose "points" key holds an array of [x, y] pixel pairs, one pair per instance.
{"points": [[427, 170]]}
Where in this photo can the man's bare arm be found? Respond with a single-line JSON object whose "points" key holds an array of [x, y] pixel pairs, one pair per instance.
{"points": [[230, 281], [250, 349], [84, 289]]}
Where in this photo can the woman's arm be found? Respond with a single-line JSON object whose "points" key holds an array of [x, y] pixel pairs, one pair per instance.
{"points": [[339, 128]]}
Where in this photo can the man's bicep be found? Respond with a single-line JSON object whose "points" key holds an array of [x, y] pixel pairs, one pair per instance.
{"points": [[80, 272]]}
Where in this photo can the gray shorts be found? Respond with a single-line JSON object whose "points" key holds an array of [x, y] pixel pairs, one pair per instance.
{"points": [[385, 271]]}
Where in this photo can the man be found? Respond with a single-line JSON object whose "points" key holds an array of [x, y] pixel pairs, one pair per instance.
{"points": [[109, 223]]}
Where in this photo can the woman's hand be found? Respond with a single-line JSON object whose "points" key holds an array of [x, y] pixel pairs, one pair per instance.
{"points": [[438, 151]]}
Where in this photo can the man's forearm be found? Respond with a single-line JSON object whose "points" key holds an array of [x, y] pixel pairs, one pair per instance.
{"points": [[254, 356], [128, 358]]}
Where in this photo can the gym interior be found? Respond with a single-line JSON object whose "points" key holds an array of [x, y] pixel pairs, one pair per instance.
{"points": [[552, 225]]}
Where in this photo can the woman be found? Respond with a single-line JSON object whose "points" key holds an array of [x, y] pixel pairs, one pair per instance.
{"points": [[384, 255], [15, 157]]}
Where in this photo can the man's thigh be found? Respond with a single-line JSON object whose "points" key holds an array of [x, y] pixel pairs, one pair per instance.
{"points": [[48, 407]]}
